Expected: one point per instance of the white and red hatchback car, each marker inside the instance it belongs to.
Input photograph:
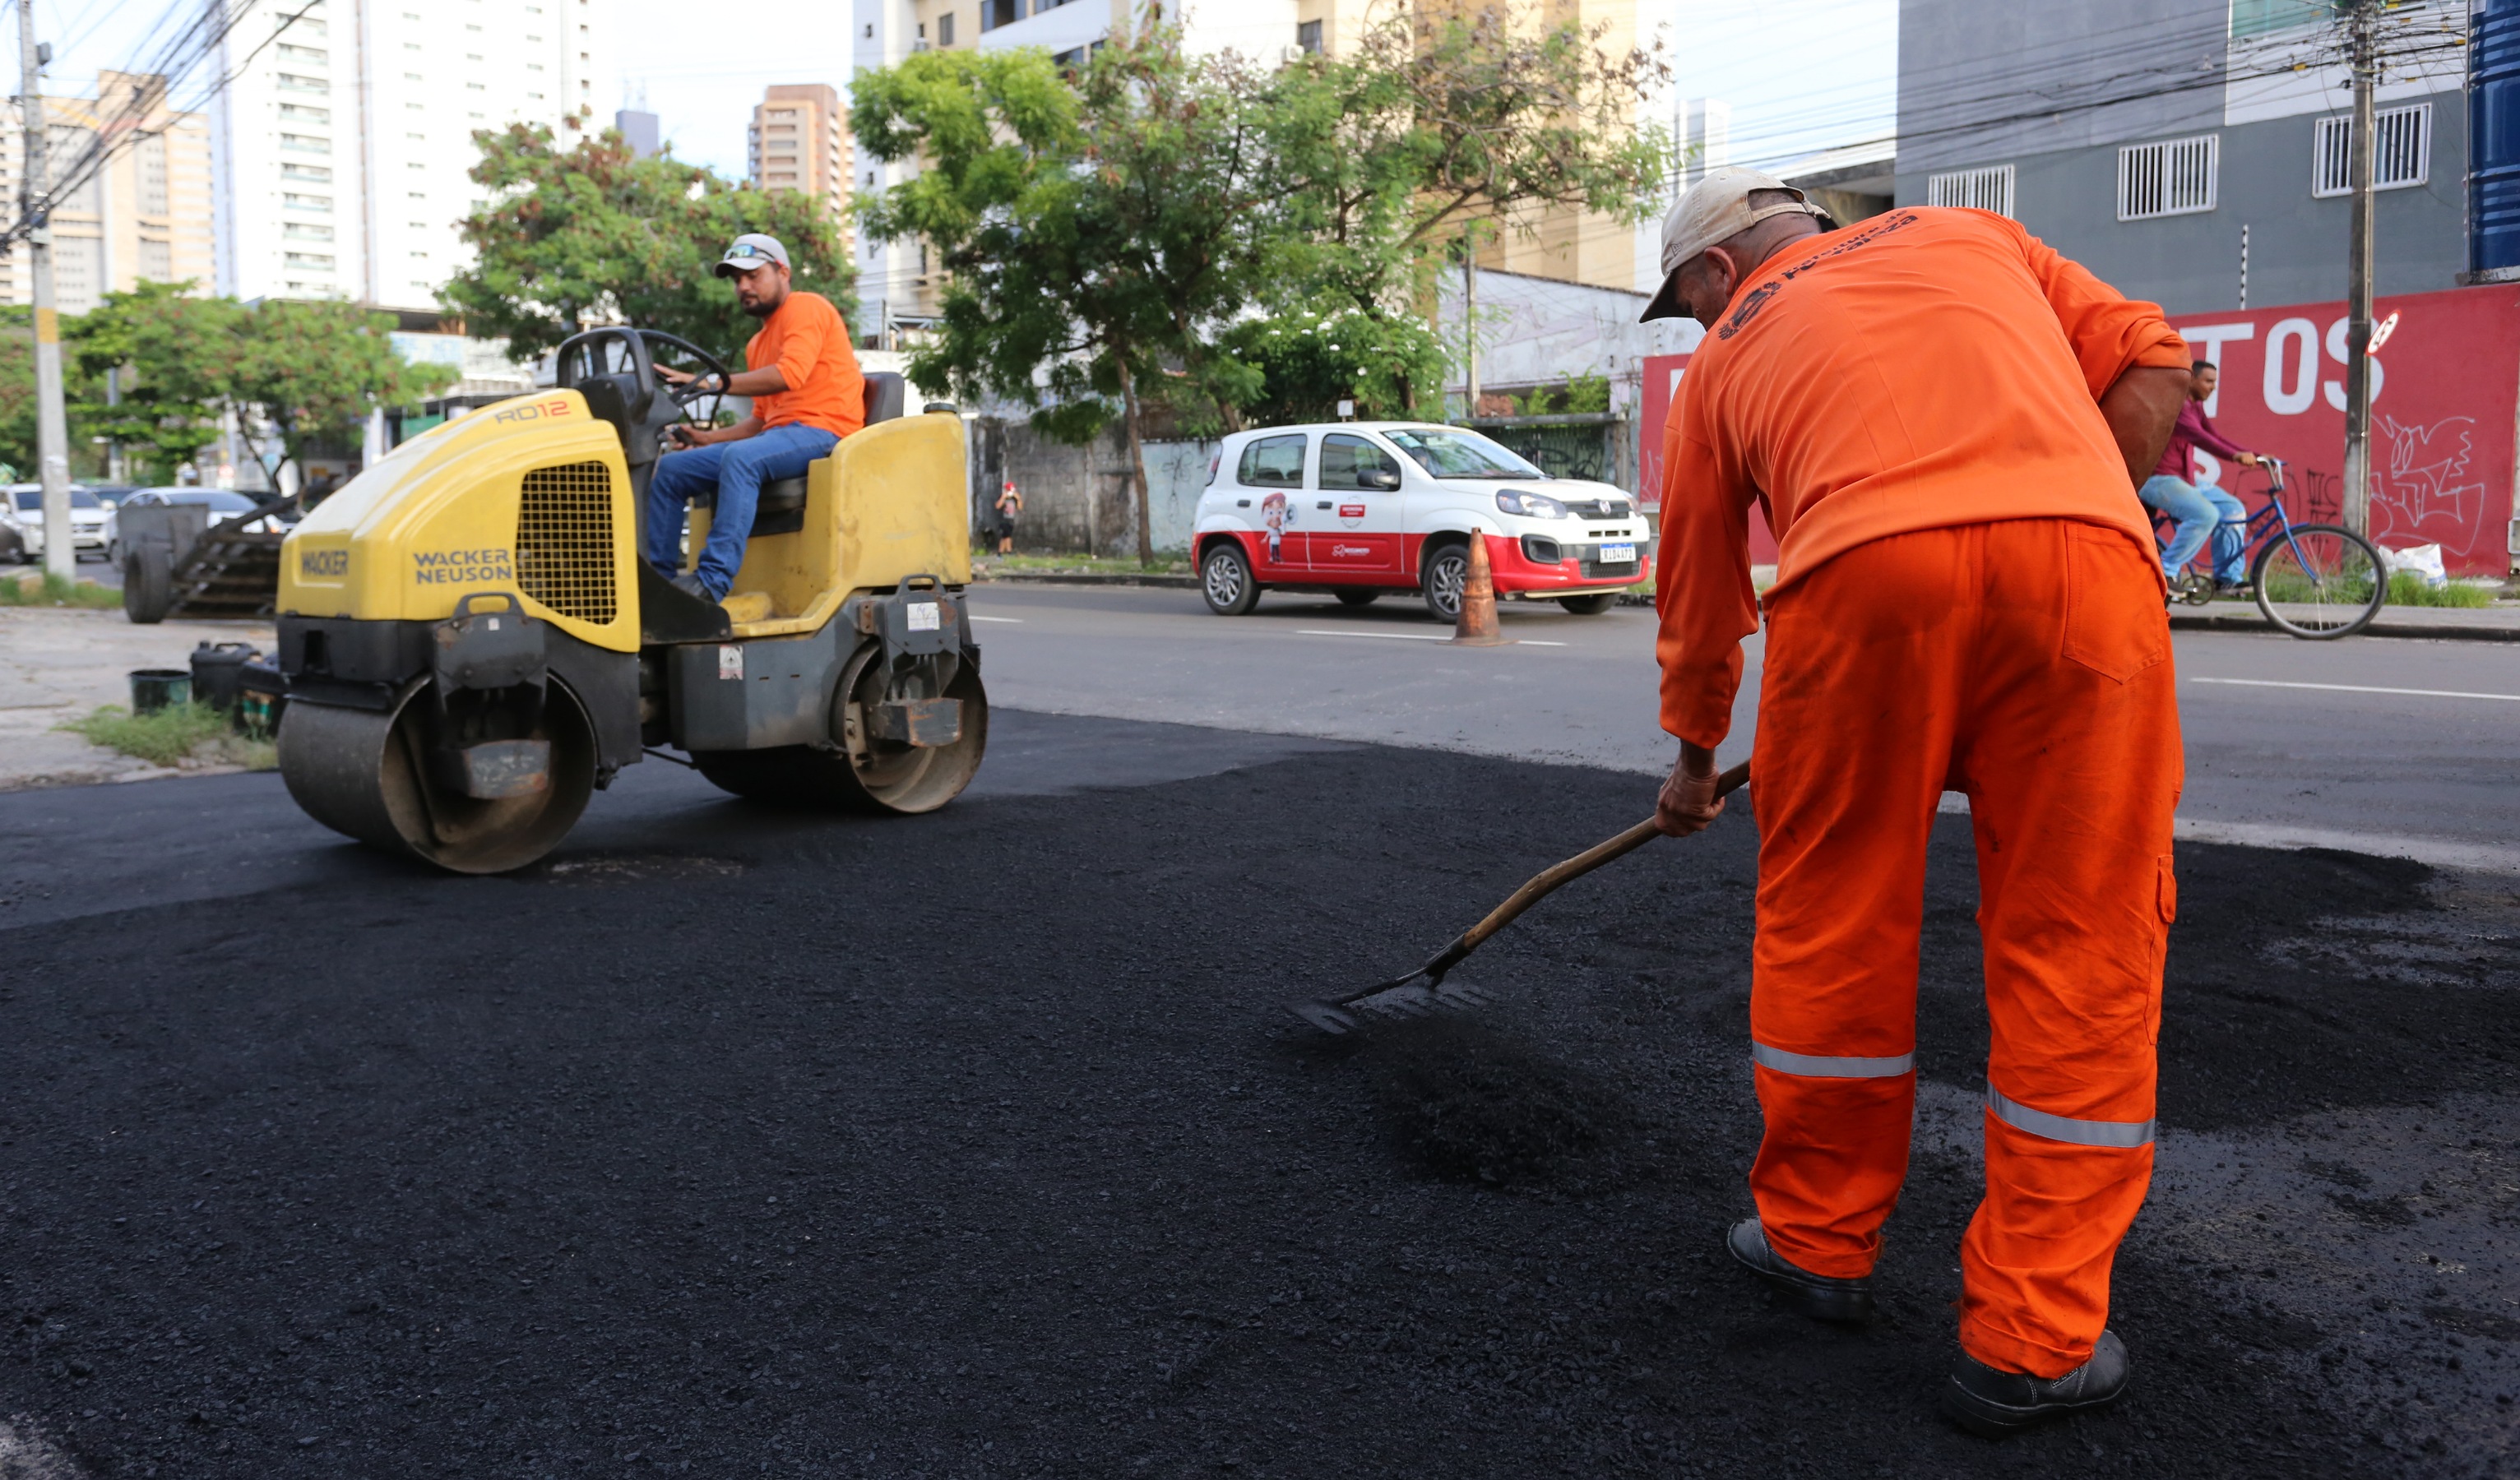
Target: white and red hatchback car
(1363, 507)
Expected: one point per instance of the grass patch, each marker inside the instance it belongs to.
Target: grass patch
(2408, 589)
(50, 590)
(984, 563)
(175, 733)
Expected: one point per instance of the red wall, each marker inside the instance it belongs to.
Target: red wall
(2441, 421)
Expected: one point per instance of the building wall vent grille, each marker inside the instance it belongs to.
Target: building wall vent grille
(2175, 177)
(2404, 158)
(1986, 188)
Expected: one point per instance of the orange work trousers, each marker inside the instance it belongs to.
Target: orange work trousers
(2027, 664)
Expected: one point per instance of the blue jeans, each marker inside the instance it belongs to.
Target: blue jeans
(2200, 512)
(738, 469)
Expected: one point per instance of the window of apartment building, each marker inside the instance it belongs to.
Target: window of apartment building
(305, 231)
(305, 144)
(2171, 178)
(313, 259)
(997, 13)
(945, 30)
(156, 260)
(302, 113)
(2403, 158)
(1308, 36)
(319, 174)
(151, 159)
(1986, 188)
(292, 83)
(2257, 18)
(314, 55)
(292, 201)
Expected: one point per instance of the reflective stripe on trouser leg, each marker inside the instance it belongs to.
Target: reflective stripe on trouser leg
(1814, 1066)
(1835, 1152)
(2122, 1134)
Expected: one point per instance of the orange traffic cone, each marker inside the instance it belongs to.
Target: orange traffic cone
(1476, 626)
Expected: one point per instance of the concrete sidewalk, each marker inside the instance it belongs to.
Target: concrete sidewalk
(2497, 623)
(59, 663)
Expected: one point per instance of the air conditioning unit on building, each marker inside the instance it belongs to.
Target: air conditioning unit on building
(919, 45)
(1291, 53)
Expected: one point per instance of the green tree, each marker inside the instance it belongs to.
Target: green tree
(17, 390)
(172, 354)
(314, 370)
(1308, 361)
(585, 231)
(1095, 232)
(1441, 127)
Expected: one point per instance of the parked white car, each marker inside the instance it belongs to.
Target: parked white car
(1364, 508)
(21, 523)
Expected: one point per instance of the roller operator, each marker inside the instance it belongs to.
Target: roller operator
(1944, 422)
(802, 377)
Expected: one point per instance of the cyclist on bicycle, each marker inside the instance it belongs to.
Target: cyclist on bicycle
(2201, 508)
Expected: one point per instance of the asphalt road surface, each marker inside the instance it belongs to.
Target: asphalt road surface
(2349, 759)
(731, 1140)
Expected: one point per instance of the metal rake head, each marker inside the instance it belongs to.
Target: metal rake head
(1391, 1005)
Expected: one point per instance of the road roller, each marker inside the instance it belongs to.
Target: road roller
(473, 646)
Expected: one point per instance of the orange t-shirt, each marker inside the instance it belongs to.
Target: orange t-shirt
(807, 339)
(1922, 369)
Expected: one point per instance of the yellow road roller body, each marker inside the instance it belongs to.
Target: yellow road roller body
(473, 646)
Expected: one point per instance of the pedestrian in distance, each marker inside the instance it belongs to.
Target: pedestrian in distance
(1944, 423)
(2201, 508)
(1010, 503)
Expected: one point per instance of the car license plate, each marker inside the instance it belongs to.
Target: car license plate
(1616, 555)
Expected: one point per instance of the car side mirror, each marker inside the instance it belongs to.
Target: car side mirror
(1383, 478)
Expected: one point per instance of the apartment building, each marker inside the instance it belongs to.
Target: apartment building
(344, 141)
(2190, 151)
(896, 290)
(800, 140)
(144, 216)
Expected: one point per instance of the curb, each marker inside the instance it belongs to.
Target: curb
(2381, 626)
(1085, 578)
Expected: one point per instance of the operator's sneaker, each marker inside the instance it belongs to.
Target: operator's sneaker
(1818, 1296)
(689, 583)
(2236, 590)
(1992, 1403)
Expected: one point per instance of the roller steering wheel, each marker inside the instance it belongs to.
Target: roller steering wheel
(683, 395)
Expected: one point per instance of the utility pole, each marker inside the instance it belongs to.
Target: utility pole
(52, 428)
(2358, 267)
(1469, 308)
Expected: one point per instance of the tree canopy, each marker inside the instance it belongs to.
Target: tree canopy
(585, 231)
(1229, 239)
(173, 357)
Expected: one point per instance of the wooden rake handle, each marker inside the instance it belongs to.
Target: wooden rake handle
(1547, 881)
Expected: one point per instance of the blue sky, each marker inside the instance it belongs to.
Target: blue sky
(1801, 74)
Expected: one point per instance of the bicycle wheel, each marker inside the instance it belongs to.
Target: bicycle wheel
(2319, 581)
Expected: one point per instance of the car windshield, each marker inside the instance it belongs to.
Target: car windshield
(217, 500)
(1461, 455)
(31, 500)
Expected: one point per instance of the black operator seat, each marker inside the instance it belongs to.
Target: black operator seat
(782, 510)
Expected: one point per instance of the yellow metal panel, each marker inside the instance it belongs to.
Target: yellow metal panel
(438, 519)
(890, 502)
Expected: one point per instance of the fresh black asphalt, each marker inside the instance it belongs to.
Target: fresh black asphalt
(737, 1143)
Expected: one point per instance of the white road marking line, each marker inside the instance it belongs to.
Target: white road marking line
(1532, 642)
(1019, 621)
(1404, 637)
(2269, 683)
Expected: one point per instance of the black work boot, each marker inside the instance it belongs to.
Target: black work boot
(1992, 1403)
(1814, 1295)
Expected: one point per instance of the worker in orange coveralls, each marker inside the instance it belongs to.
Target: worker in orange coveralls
(1944, 422)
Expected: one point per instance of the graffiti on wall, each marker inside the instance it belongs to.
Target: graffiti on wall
(2443, 413)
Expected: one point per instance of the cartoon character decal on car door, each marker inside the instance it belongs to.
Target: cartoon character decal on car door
(1275, 514)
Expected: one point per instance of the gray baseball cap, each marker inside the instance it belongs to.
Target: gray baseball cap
(1714, 209)
(750, 250)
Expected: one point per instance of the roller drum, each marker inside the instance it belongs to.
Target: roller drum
(360, 772)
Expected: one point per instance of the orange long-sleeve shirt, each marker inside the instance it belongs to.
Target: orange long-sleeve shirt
(1921, 369)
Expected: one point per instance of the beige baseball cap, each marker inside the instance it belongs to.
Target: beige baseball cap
(1714, 209)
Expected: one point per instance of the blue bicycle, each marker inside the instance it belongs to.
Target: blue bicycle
(2314, 581)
